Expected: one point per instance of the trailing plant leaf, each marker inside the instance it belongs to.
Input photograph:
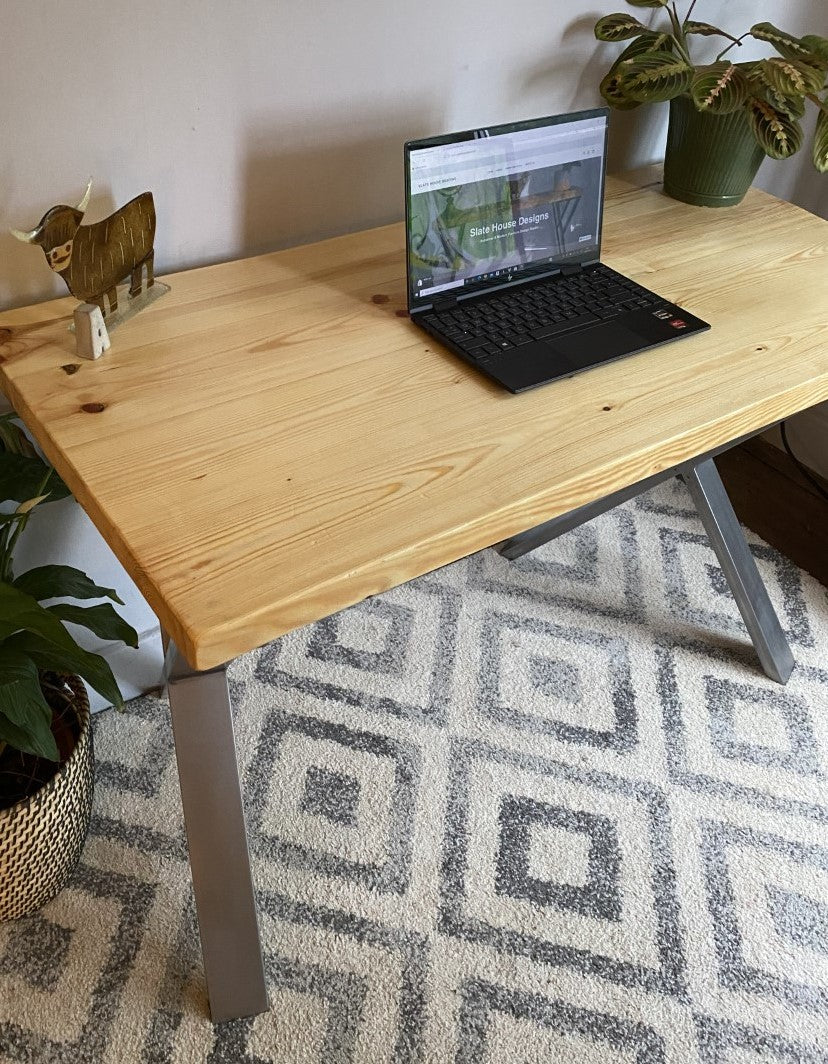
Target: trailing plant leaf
(22, 476)
(618, 27)
(778, 135)
(101, 620)
(820, 148)
(25, 716)
(790, 77)
(61, 581)
(647, 3)
(788, 46)
(654, 76)
(719, 88)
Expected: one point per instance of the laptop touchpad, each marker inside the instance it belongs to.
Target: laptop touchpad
(597, 345)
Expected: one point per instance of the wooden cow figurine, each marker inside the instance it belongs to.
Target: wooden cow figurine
(92, 259)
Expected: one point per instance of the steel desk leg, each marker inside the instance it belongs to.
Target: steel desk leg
(728, 541)
(726, 538)
(217, 838)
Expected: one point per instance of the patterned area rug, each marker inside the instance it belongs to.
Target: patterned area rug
(507, 814)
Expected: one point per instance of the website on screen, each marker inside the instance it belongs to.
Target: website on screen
(486, 207)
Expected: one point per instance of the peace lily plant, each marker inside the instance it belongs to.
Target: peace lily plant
(657, 66)
(36, 649)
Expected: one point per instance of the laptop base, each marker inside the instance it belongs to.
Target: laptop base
(536, 359)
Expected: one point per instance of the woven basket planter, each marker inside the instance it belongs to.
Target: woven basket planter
(41, 837)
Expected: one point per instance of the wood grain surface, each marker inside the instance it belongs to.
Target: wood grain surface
(275, 440)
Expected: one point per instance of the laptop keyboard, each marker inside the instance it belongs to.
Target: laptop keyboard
(488, 327)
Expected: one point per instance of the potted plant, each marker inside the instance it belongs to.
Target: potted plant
(725, 116)
(45, 735)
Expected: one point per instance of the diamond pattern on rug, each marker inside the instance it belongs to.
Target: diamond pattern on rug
(538, 858)
(595, 569)
(334, 800)
(498, 1025)
(37, 951)
(509, 813)
(402, 666)
(758, 886)
(696, 590)
(711, 746)
(522, 685)
(618, 925)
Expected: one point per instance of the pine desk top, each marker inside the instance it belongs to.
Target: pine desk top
(274, 441)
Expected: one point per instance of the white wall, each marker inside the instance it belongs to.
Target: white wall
(263, 123)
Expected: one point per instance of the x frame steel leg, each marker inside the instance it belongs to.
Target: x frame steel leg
(726, 538)
(728, 541)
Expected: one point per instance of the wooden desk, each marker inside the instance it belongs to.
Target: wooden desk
(274, 441)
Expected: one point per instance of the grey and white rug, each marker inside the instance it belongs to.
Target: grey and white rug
(507, 814)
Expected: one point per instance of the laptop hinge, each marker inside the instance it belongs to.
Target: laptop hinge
(574, 267)
(446, 303)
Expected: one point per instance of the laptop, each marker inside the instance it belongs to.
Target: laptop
(503, 234)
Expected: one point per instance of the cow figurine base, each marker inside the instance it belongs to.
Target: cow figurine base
(128, 306)
(91, 336)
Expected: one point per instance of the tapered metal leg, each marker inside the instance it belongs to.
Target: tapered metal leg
(217, 838)
(736, 560)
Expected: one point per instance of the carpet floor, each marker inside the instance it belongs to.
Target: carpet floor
(509, 813)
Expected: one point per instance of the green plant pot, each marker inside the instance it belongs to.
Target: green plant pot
(711, 160)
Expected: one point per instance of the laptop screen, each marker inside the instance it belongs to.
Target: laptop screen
(490, 206)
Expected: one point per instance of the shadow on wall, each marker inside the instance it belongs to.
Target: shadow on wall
(636, 137)
(328, 181)
(24, 272)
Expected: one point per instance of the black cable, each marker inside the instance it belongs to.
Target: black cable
(803, 469)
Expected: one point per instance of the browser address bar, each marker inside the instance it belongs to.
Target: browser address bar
(468, 170)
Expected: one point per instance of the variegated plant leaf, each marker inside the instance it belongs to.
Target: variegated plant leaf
(654, 76)
(618, 27)
(778, 135)
(647, 42)
(786, 44)
(609, 87)
(792, 106)
(704, 29)
(818, 47)
(790, 76)
(611, 92)
(819, 152)
(719, 88)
